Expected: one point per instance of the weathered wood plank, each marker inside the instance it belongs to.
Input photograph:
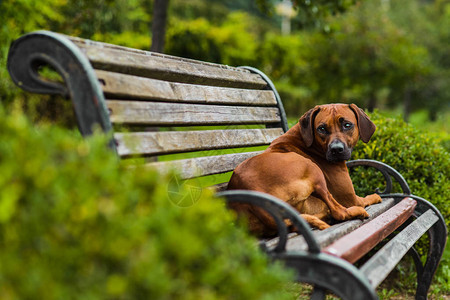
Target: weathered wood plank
(158, 66)
(121, 86)
(203, 166)
(172, 114)
(384, 261)
(156, 143)
(329, 235)
(356, 244)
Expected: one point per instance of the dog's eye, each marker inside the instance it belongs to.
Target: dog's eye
(348, 125)
(322, 129)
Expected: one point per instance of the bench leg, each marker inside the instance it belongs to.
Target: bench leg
(326, 272)
(438, 238)
(318, 293)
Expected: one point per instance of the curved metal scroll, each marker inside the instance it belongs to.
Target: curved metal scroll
(280, 211)
(271, 87)
(34, 50)
(387, 171)
(331, 273)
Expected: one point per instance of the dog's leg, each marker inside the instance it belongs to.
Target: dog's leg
(258, 221)
(337, 211)
(315, 221)
(370, 199)
(314, 211)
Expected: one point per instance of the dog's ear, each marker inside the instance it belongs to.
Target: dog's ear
(365, 126)
(307, 125)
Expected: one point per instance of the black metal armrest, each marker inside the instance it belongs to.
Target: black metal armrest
(388, 173)
(280, 211)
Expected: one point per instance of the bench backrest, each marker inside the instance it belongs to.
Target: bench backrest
(156, 105)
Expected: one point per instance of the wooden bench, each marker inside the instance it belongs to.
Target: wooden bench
(201, 108)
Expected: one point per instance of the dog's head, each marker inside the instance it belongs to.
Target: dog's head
(334, 129)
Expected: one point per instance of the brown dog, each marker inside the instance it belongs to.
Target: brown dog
(306, 168)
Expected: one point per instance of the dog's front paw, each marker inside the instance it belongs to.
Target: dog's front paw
(322, 225)
(357, 212)
(352, 212)
(372, 199)
(315, 222)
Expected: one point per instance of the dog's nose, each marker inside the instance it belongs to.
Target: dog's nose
(337, 147)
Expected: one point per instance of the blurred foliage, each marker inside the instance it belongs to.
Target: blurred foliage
(438, 130)
(231, 43)
(429, 26)
(76, 224)
(442, 277)
(310, 13)
(367, 53)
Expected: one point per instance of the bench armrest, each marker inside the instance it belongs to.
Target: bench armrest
(279, 210)
(44, 48)
(388, 173)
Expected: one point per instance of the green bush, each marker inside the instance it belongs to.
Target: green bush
(77, 224)
(284, 57)
(232, 43)
(421, 160)
(296, 99)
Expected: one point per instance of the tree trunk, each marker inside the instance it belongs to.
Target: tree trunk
(159, 25)
(432, 114)
(372, 103)
(407, 104)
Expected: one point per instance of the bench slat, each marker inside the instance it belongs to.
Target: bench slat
(360, 241)
(155, 143)
(202, 166)
(121, 86)
(172, 114)
(329, 235)
(152, 65)
(384, 261)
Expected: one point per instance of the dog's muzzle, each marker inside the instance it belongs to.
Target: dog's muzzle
(338, 151)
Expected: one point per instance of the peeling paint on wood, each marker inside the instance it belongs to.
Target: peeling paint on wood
(203, 166)
(384, 261)
(121, 86)
(356, 244)
(156, 143)
(172, 114)
(148, 64)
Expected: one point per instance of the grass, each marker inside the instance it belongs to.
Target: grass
(439, 129)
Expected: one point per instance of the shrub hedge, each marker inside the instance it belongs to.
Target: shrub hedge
(233, 43)
(76, 224)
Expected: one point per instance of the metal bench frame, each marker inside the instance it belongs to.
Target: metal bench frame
(313, 265)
